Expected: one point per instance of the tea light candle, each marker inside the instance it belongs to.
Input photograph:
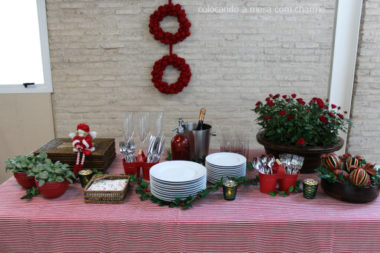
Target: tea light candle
(229, 189)
(310, 187)
(85, 177)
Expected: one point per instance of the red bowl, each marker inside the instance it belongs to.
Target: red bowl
(23, 180)
(53, 189)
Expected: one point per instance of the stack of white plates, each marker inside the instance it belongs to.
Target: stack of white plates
(225, 164)
(177, 179)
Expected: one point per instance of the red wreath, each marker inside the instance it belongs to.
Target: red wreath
(167, 37)
(158, 71)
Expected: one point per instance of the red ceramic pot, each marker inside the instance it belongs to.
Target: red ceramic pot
(146, 168)
(287, 181)
(131, 168)
(268, 182)
(53, 189)
(23, 180)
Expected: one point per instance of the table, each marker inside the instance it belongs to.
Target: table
(253, 222)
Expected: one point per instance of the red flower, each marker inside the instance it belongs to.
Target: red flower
(339, 107)
(333, 106)
(327, 100)
(340, 116)
(282, 113)
(334, 121)
(270, 95)
(276, 96)
(331, 114)
(182, 204)
(288, 99)
(284, 96)
(258, 104)
(319, 101)
(290, 116)
(323, 119)
(198, 197)
(294, 95)
(308, 111)
(300, 100)
(301, 141)
(267, 117)
(270, 103)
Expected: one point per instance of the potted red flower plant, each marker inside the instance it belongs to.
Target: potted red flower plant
(309, 129)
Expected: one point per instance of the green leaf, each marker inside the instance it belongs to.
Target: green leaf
(273, 194)
(41, 182)
(291, 189)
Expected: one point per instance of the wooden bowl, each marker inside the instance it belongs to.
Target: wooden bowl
(350, 193)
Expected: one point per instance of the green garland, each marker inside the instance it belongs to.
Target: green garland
(142, 189)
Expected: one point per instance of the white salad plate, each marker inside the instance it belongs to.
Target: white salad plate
(177, 171)
(226, 159)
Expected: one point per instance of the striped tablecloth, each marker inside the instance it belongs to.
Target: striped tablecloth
(254, 222)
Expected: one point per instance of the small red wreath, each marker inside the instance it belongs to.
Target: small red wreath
(158, 71)
(167, 37)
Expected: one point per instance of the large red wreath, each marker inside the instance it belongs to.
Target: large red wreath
(158, 71)
(167, 37)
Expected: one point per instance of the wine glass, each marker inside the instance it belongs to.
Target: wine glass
(129, 126)
(156, 119)
(143, 128)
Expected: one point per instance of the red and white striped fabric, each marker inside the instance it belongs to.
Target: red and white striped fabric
(254, 222)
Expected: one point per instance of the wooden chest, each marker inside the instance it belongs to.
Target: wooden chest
(61, 149)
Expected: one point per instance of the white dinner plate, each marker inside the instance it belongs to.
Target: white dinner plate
(178, 189)
(226, 159)
(178, 183)
(177, 171)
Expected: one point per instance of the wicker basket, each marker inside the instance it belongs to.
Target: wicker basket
(105, 197)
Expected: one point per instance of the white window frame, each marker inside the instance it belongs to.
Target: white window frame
(45, 87)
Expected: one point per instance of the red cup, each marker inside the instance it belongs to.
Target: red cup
(146, 168)
(287, 181)
(267, 182)
(53, 189)
(23, 180)
(131, 168)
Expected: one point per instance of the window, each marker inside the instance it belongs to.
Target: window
(24, 48)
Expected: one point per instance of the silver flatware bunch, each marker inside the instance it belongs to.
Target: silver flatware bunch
(128, 149)
(155, 149)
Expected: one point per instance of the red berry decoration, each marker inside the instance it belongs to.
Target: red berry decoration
(359, 177)
(167, 37)
(158, 71)
(345, 173)
(170, 39)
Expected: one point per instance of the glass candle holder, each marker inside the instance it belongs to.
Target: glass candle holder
(310, 187)
(229, 189)
(85, 177)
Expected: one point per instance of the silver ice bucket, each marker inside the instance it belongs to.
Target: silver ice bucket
(199, 140)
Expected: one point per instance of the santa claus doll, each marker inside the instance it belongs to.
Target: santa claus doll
(82, 144)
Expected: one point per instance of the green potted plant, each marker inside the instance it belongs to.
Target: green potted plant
(21, 166)
(349, 178)
(52, 179)
(290, 125)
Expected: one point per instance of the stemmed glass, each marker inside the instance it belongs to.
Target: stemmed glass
(156, 119)
(143, 128)
(129, 127)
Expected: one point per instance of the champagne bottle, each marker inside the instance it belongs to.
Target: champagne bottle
(201, 118)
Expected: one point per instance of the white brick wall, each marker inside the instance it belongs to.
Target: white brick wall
(102, 54)
(365, 135)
